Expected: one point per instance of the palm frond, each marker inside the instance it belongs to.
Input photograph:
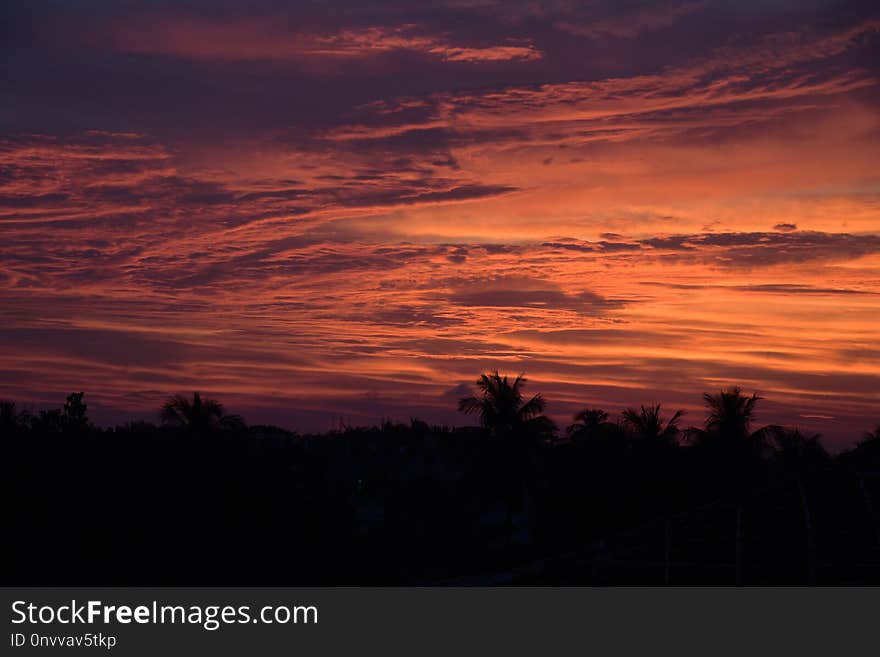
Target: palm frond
(535, 406)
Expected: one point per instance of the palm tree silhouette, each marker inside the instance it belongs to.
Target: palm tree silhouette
(797, 449)
(521, 424)
(589, 424)
(730, 412)
(197, 414)
(649, 426)
(728, 425)
(501, 407)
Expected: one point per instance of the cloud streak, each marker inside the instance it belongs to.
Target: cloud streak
(272, 39)
(351, 211)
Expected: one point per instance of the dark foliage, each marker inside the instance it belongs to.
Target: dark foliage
(204, 499)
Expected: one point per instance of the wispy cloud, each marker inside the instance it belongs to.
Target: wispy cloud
(278, 39)
(362, 207)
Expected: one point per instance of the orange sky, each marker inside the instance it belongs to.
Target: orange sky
(350, 214)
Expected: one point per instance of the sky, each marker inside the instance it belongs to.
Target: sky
(326, 213)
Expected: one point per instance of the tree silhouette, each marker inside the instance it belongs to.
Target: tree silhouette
(649, 426)
(797, 450)
(728, 427)
(412, 502)
(8, 415)
(12, 420)
(49, 421)
(501, 407)
(730, 413)
(587, 424)
(74, 412)
(197, 414)
(520, 424)
(872, 436)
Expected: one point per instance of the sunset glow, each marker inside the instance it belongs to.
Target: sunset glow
(340, 215)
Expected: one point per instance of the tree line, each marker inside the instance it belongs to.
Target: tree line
(203, 498)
